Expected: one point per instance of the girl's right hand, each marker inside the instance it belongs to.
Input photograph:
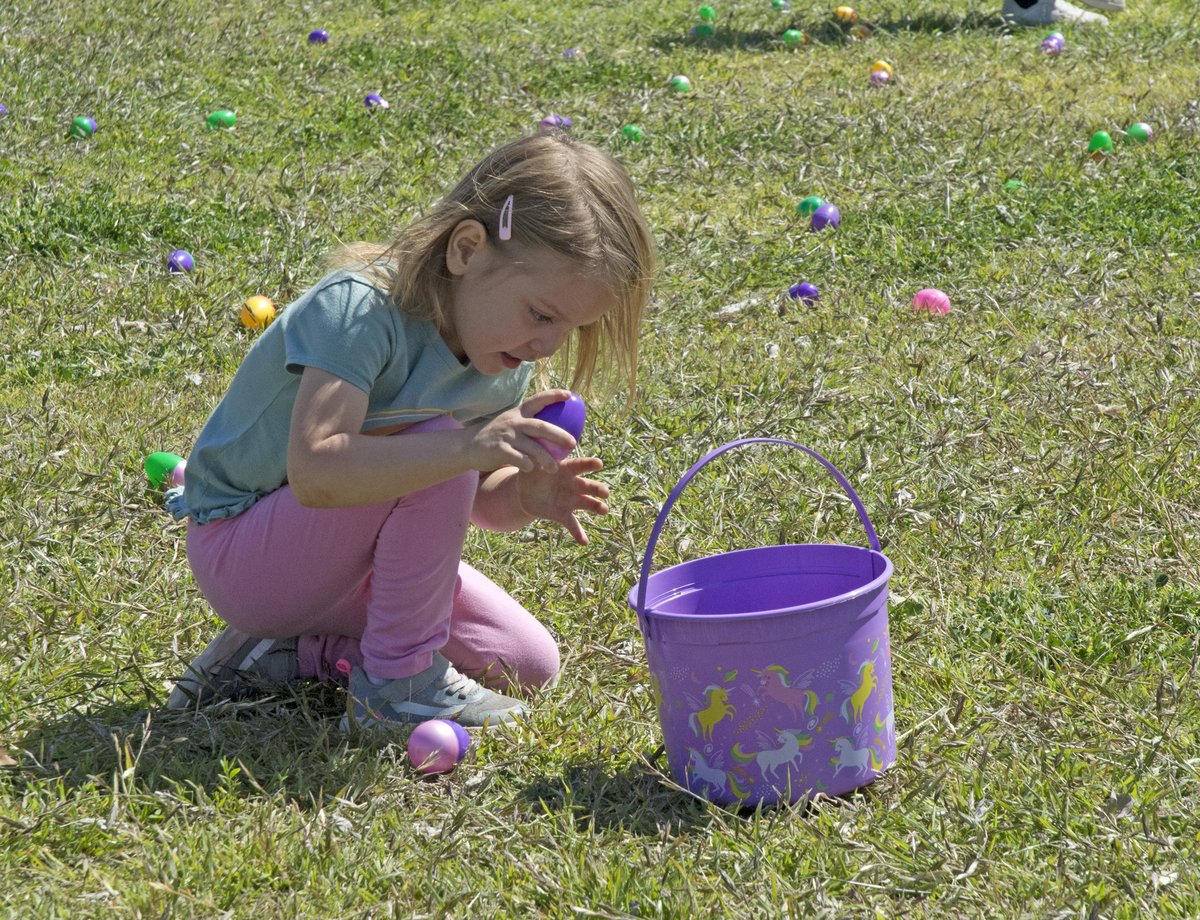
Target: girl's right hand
(511, 438)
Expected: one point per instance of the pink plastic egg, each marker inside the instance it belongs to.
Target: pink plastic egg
(931, 300)
(437, 746)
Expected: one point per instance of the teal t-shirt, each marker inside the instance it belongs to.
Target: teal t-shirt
(349, 327)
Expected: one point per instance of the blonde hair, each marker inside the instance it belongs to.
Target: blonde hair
(569, 198)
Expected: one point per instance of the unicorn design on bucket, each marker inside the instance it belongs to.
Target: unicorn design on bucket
(718, 708)
(858, 699)
(887, 727)
(791, 693)
(788, 754)
(849, 757)
(700, 771)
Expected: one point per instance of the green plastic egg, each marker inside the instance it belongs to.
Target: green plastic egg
(222, 118)
(793, 37)
(680, 84)
(1101, 142)
(632, 133)
(159, 466)
(708, 14)
(809, 205)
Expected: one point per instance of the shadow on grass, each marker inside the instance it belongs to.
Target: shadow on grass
(831, 32)
(289, 745)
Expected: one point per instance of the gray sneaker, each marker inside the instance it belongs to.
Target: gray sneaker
(233, 665)
(438, 692)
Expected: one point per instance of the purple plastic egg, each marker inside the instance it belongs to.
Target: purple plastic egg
(880, 77)
(806, 291)
(552, 123)
(180, 260)
(1052, 46)
(437, 746)
(569, 415)
(3, 110)
(827, 215)
(575, 54)
(177, 474)
(318, 37)
(375, 101)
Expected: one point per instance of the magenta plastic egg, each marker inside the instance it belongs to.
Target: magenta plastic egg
(569, 415)
(437, 746)
(931, 300)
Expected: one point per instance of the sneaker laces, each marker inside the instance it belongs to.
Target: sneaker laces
(457, 684)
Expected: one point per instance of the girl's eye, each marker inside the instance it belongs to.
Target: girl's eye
(539, 317)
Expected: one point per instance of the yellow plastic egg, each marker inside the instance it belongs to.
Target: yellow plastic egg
(258, 312)
(846, 14)
(884, 66)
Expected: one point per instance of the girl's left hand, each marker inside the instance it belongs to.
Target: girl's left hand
(557, 495)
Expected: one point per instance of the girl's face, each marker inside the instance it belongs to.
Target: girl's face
(510, 304)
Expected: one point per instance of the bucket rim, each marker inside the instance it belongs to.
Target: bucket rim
(879, 581)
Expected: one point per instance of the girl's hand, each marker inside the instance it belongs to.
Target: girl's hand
(511, 439)
(557, 495)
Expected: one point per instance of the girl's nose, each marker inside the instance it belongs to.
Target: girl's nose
(549, 342)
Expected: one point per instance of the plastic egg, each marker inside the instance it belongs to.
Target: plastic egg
(861, 31)
(160, 468)
(806, 291)
(437, 746)
(222, 118)
(707, 14)
(793, 38)
(1013, 185)
(846, 14)
(931, 300)
(680, 84)
(552, 123)
(1139, 132)
(880, 77)
(884, 66)
(704, 30)
(177, 475)
(1052, 46)
(574, 54)
(569, 415)
(3, 110)
(257, 312)
(1100, 144)
(375, 101)
(781, 5)
(827, 215)
(82, 128)
(318, 37)
(808, 206)
(180, 260)
(632, 133)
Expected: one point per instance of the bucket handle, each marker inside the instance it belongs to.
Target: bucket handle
(648, 559)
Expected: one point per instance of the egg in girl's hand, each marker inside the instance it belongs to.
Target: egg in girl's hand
(569, 415)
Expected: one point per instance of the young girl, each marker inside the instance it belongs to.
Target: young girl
(329, 493)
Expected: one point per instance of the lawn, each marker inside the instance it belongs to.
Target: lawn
(1029, 459)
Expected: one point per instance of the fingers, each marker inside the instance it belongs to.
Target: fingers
(539, 401)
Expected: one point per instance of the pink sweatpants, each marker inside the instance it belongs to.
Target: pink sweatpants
(382, 586)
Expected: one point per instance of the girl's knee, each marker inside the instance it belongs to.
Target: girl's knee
(528, 665)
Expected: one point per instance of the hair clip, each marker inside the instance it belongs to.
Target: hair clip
(506, 219)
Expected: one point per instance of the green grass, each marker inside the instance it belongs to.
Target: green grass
(1029, 460)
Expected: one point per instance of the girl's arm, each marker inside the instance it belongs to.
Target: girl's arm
(332, 464)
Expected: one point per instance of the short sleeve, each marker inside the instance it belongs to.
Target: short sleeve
(344, 326)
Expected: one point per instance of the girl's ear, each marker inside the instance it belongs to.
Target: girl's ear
(468, 241)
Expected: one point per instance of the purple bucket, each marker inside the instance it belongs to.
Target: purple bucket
(771, 667)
